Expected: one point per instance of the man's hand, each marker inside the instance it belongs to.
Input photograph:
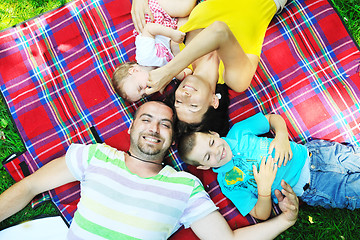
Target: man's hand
(138, 10)
(288, 202)
(266, 175)
(283, 152)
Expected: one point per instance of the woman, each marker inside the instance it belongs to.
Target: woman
(231, 31)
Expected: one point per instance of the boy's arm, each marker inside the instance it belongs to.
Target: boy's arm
(281, 142)
(239, 67)
(264, 180)
(214, 226)
(52, 175)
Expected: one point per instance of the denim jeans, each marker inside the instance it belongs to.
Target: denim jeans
(334, 175)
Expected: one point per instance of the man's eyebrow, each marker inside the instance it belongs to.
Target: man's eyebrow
(146, 115)
(151, 116)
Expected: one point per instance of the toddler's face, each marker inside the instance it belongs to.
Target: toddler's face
(210, 150)
(135, 85)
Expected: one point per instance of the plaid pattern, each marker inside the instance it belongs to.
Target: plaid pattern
(55, 76)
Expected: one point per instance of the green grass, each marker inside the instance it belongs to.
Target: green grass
(324, 224)
(13, 12)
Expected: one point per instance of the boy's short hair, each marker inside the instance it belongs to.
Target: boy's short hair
(120, 73)
(185, 146)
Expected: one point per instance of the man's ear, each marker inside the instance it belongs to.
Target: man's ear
(203, 167)
(215, 101)
(130, 126)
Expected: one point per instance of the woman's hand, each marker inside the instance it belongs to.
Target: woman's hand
(158, 79)
(138, 10)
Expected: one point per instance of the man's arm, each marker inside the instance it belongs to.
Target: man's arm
(239, 68)
(52, 175)
(281, 141)
(214, 226)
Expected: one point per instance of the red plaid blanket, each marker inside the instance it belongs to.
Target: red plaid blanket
(55, 76)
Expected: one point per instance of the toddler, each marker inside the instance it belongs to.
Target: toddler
(155, 46)
(250, 167)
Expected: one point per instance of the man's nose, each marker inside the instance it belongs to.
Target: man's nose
(154, 127)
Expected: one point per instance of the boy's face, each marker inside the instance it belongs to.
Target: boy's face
(135, 84)
(210, 150)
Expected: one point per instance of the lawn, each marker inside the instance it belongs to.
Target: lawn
(313, 223)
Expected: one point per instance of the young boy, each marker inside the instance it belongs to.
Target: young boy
(320, 172)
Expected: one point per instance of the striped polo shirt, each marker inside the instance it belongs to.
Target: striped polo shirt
(117, 204)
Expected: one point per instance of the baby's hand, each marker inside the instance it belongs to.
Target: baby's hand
(283, 152)
(266, 175)
(177, 36)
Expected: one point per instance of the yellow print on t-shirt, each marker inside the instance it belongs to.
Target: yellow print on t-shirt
(234, 176)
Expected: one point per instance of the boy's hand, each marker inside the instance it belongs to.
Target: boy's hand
(138, 10)
(283, 152)
(177, 36)
(266, 175)
(288, 202)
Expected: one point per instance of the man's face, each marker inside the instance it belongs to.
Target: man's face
(151, 131)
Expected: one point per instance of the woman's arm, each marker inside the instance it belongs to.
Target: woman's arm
(239, 68)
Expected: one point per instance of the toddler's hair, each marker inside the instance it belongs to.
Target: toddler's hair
(185, 146)
(120, 73)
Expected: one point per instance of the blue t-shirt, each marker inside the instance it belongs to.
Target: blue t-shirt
(236, 178)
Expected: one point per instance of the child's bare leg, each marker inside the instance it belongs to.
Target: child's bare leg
(177, 8)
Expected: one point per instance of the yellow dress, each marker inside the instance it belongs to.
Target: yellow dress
(247, 19)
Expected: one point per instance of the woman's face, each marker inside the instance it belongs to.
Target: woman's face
(192, 99)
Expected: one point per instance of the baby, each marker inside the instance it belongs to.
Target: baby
(155, 46)
(250, 167)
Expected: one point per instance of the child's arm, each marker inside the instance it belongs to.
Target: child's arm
(281, 142)
(153, 29)
(264, 180)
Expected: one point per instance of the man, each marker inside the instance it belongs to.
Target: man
(132, 194)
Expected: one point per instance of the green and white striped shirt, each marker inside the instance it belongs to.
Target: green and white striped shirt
(117, 204)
